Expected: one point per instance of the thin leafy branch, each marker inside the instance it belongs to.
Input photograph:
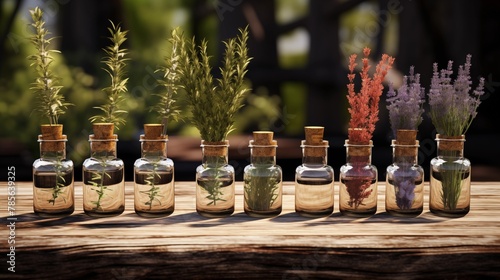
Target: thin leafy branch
(97, 182)
(153, 192)
(58, 188)
(213, 187)
(213, 103)
(167, 108)
(260, 191)
(51, 103)
(115, 61)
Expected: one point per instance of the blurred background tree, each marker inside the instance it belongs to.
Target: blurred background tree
(299, 50)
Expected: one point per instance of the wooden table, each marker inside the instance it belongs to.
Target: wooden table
(188, 246)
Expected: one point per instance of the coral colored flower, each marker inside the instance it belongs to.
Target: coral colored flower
(363, 106)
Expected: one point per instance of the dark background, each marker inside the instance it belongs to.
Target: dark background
(290, 89)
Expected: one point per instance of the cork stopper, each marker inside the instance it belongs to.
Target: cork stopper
(359, 149)
(218, 149)
(406, 137)
(261, 139)
(450, 143)
(50, 133)
(103, 131)
(154, 132)
(314, 137)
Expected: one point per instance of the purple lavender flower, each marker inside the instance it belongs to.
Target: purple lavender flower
(406, 106)
(405, 192)
(452, 107)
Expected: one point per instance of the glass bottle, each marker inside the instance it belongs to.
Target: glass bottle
(450, 178)
(103, 176)
(262, 191)
(405, 178)
(215, 181)
(154, 175)
(358, 181)
(314, 178)
(53, 185)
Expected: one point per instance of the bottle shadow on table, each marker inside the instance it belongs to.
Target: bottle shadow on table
(339, 218)
(193, 219)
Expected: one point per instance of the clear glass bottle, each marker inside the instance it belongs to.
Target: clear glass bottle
(103, 178)
(404, 181)
(314, 179)
(262, 191)
(53, 185)
(358, 181)
(215, 181)
(154, 175)
(450, 178)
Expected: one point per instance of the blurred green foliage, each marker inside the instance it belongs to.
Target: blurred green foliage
(149, 24)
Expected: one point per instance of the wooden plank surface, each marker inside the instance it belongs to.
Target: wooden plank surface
(188, 246)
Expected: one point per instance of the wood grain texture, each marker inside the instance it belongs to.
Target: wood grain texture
(188, 246)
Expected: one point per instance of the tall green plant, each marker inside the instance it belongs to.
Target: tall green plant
(453, 107)
(115, 62)
(166, 107)
(213, 103)
(51, 103)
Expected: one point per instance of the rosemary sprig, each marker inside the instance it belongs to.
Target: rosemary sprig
(97, 182)
(213, 186)
(58, 189)
(166, 107)
(260, 191)
(214, 192)
(51, 103)
(115, 62)
(213, 104)
(153, 192)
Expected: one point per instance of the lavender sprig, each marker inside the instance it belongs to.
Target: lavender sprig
(406, 106)
(452, 106)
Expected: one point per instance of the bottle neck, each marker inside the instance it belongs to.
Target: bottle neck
(52, 149)
(404, 154)
(358, 154)
(263, 160)
(214, 155)
(314, 155)
(154, 149)
(214, 161)
(314, 160)
(400, 159)
(262, 154)
(103, 148)
(59, 154)
(450, 146)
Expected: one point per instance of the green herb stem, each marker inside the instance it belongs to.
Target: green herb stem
(51, 103)
(153, 192)
(213, 104)
(115, 62)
